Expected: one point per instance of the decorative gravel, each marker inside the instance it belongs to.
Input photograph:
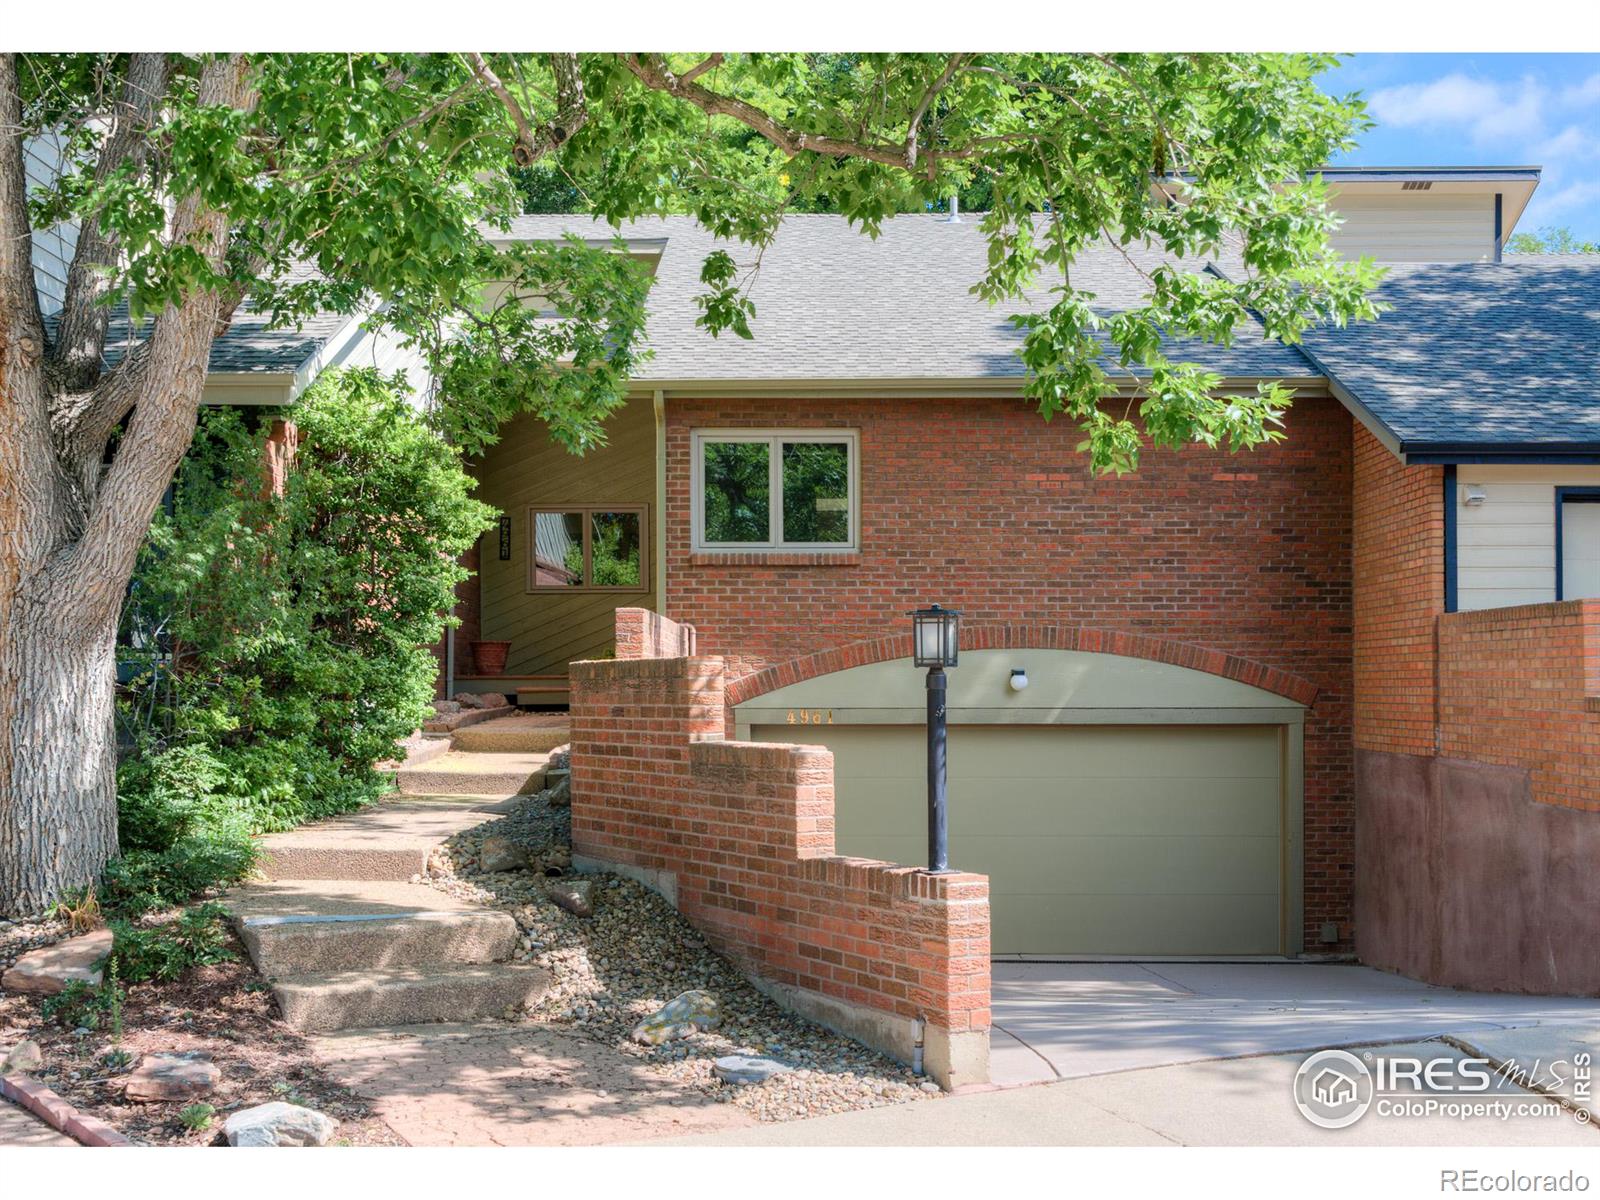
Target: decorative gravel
(635, 954)
(19, 937)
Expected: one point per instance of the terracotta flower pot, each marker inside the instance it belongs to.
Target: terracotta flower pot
(490, 657)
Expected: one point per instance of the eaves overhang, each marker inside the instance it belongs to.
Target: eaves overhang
(906, 388)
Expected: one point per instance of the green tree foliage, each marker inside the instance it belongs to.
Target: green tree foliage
(384, 184)
(1551, 239)
(392, 174)
(281, 643)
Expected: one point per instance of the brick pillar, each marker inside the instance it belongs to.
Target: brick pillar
(278, 455)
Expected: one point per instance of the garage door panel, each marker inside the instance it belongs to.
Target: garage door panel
(1080, 865)
(1111, 752)
(1135, 925)
(1096, 839)
(1068, 866)
(1130, 807)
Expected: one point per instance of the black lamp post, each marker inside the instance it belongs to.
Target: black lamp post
(935, 634)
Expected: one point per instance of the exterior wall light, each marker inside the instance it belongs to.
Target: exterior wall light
(1474, 495)
(1019, 678)
(935, 641)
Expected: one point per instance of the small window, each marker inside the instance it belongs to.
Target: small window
(600, 547)
(785, 490)
(1578, 536)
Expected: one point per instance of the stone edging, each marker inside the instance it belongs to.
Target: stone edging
(57, 1113)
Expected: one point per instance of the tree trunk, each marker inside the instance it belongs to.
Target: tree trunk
(71, 527)
(58, 801)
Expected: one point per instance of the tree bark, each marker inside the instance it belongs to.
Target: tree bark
(58, 797)
(70, 532)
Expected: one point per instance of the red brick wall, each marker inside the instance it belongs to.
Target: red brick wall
(1521, 687)
(645, 634)
(746, 832)
(983, 506)
(1399, 595)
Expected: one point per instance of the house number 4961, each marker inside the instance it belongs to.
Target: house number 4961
(811, 716)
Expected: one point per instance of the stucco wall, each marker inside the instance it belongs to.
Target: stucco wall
(1467, 881)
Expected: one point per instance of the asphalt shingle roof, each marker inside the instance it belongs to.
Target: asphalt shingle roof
(1485, 355)
(833, 304)
(1478, 354)
(248, 347)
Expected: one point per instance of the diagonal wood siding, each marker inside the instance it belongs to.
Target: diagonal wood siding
(547, 630)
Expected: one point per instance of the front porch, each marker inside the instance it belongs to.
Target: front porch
(576, 540)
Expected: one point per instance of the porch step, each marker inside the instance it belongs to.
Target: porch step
(356, 999)
(544, 689)
(475, 773)
(531, 733)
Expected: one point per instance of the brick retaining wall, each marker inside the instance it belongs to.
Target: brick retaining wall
(739, 835)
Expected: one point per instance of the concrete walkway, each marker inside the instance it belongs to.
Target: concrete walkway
(1236, 1102)
(1071, 1020)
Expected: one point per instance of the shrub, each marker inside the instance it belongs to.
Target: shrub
(143, 881)
(80, 1005)
(278, 645)
(199, 937)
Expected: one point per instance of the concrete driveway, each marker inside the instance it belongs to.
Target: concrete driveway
(1071, 1020)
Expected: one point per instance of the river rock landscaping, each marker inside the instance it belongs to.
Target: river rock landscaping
(621, 965)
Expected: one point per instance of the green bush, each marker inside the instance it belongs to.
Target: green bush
(277, 646)
(165, 952)
(81, 1006)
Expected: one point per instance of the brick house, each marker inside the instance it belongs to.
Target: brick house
(1338, 696)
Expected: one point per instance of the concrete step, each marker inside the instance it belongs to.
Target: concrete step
(473, 773)
(388, 841)
(528, 733)
(357, 999)
(317, 926)
(283, 946)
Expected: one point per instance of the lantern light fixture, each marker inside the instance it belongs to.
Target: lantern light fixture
(936, 635)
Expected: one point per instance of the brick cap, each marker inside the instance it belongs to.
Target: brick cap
(57, 1113)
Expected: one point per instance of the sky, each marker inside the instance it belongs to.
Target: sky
(1487, 109)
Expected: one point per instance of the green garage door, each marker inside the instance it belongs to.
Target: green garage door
(1116, 840)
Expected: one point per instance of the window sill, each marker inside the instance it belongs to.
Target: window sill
(775, 558)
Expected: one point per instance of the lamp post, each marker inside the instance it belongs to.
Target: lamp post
(935, 636)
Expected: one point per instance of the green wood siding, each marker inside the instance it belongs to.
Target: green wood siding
(549, 629)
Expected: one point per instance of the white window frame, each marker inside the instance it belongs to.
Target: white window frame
(774, 439)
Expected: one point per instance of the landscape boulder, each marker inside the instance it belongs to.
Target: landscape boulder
(278, 1124)
(24, 1056)
(574, 895)
(559, 793)
(162, 1077)
(501, 854)
(49, 969)
(679, 1018)
(743, 1069)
